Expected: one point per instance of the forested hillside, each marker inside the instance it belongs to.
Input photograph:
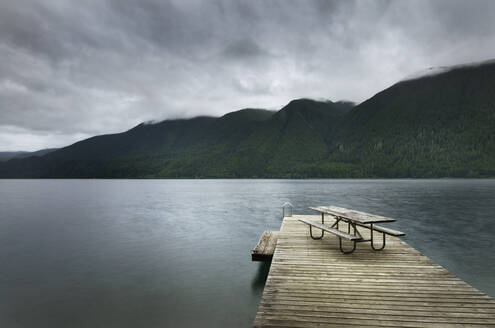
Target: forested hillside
(434, 126)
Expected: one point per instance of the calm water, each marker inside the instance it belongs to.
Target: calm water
(158, 253)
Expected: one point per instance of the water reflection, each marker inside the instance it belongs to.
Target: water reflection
(259, 279)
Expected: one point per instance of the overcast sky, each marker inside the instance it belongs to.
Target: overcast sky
(73, 69)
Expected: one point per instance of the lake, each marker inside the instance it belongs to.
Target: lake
(176, 253)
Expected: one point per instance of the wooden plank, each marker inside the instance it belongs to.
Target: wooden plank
(311, 283)
(266, 247)
(388, 231)
(357, 216)
(329, 229)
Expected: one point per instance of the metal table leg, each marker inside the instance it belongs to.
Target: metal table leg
(353, 242)
(383, 241)
(311, 233)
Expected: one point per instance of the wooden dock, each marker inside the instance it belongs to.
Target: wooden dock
(312, 284)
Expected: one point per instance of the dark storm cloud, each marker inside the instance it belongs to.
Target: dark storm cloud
(73, 69)
(245, 48)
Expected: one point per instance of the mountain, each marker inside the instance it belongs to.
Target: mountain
(6, 155)
(435, 126)
(439, 125)
(298, 134)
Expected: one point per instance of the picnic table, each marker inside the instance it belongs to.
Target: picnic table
(353, 219)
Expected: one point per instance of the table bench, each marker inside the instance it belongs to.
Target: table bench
(388, 231)
(323, 227)
(353, 219)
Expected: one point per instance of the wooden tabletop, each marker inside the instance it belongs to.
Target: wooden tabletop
(351, 215)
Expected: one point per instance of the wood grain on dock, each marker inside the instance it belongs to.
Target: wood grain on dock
(266, 247)
(312, 284)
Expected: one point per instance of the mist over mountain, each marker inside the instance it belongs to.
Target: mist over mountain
(6, 155)
(438, 125)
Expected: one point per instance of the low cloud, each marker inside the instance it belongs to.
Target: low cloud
(69, 69)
